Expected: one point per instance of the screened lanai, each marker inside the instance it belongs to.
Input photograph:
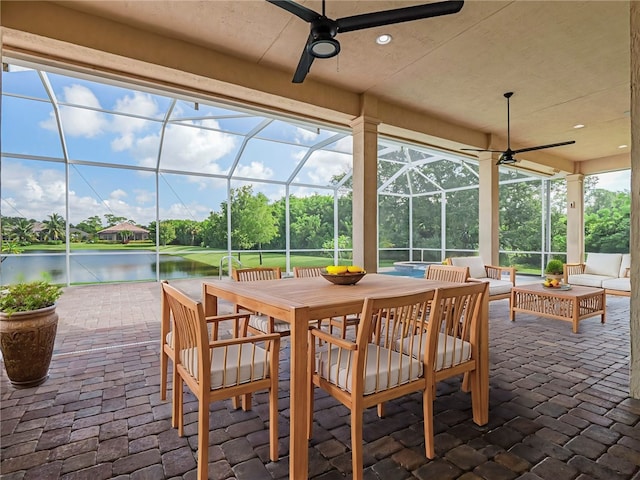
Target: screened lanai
(83, 154)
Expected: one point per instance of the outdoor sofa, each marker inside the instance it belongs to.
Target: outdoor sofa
(602, 270)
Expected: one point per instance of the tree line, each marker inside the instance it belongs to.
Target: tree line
(259, 224)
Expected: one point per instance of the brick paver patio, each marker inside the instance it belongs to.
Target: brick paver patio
(559, 408)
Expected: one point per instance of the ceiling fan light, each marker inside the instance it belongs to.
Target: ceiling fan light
(506, 159)
(324, 48)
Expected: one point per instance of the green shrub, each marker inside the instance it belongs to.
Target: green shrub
(27, 296)
(554, 267)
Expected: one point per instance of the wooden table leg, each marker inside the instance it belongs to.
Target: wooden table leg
(298, 442)
(481, 411)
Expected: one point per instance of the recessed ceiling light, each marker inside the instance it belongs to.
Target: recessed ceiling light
(579, 125)
(623, 146)
(383, 39)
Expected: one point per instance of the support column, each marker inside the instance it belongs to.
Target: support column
(365, 192)
(634, 243)
(488, 214)
(575, 218)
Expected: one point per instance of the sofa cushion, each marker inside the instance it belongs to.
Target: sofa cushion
(499, 287)
(607, 264)
(588, 280)
(623, 284)
(475, 264)
(626, 263)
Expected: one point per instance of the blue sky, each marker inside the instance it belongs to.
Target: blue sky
(112, 125)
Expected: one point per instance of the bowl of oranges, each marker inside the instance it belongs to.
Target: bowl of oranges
(343, 275)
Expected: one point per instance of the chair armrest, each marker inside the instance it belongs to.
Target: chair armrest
(250, 339)
(215, 320)
(572, 269)
(326, 337)
(230, 316)
(495, 272)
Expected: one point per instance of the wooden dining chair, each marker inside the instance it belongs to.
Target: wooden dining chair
(453, 341)
(371, 370)
(167, 344)
(399, 351)
(447, 273)
(341, 323)
(259, 323)
(218, 369)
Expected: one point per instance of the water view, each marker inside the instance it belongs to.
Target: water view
(97, 267)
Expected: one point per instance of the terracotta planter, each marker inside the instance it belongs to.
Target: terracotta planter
(26, 341)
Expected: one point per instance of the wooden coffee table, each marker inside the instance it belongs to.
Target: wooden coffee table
(571, 305)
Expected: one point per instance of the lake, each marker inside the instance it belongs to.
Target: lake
(99, 267)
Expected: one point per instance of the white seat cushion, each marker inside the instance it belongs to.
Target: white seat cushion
(623, 284)
(380, 373)
(499, 287)
(242, 366)
(588, 280)
(475, 264)
(451, 351)
(261, 322)
(607, 264)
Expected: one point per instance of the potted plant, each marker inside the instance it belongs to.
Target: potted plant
(555, 269)
(28, 324)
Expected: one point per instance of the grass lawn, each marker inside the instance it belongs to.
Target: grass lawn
(197, 254)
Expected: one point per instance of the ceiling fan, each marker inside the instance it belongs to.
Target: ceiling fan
(507, 156)
(321, 42)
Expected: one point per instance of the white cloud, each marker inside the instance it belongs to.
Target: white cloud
(323, 165)
(254, 170)
(615, 181)
(78, 122)
(185, 148)
(127, 127)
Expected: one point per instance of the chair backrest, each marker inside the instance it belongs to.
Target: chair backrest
(189, 334)
(476, 265)
(301, 272)
(256, 273)
(386, 322)
(234, 359)
(447, 273)
(454, 326)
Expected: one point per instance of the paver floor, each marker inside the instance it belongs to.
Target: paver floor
(559, 407)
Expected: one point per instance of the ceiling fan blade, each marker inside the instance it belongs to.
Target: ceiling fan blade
(398, 15)
(481, 150)
(551, 145)
(306, 59)
(298, 10)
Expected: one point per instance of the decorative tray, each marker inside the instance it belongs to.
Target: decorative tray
(559, 287)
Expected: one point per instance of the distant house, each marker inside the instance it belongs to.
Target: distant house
(115, 233)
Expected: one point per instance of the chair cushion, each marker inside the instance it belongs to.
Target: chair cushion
(626, 263)
(623, 284)
(261, 322)
(380, 373)
(241, 366)
(607, 264)
(451, 351)
(498, 287)
(475, 264)
(588, 280)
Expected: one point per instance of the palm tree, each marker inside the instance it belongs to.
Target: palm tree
(54, 227)
(22, 232)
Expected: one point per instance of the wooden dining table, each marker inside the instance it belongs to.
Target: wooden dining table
(300, 300)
